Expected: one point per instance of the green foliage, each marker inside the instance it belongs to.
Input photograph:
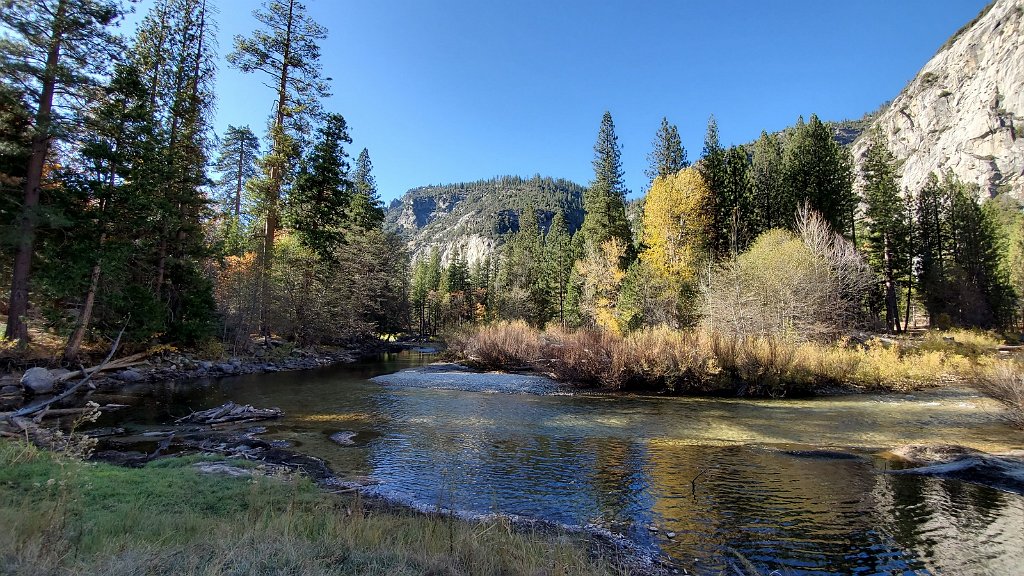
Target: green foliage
(887, 218)
(668, 155)
(236, 163)
(322, 191)
(365, 210)
(771, 206)
(961, 274)
(818, 172)
(604, 200)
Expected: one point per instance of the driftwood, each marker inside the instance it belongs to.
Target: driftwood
(120, 363)
(231, 413)
(33, 408)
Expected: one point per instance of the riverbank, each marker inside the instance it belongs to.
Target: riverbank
(698, 362)
(37, 374)
(201, 515)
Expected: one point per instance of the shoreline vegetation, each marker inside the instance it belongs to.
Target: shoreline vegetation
(701, 362)
(67, 516)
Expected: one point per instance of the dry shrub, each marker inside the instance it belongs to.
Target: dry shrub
(512, 344)
(1004, 381)
(586, 357)
(701, 361)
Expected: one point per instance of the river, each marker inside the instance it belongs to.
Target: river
(791, 485)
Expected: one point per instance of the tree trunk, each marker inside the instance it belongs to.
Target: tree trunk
(75, 341)
(17, 329)
(276, 175)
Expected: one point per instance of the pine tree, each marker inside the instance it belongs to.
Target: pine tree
(771, 206)
(819, 172)
(173, 53)
(668, 155)
(736, 202)
(109, 206)
(322, 191)
(604, 200)
(287, 51)
(713, 169)
(366, 211)
(236, 163)
(960, 275)
(888, 241)
(55, 49)
(559, 259)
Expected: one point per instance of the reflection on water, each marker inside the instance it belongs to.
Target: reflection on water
(721, 474)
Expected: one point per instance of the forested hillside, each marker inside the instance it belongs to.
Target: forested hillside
(475, 217)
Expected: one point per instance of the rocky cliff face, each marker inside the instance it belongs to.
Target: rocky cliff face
(964, 111)
(474, 218)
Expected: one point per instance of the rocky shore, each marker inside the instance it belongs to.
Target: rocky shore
(41, 382)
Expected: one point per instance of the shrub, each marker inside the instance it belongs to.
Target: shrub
(1004, 381)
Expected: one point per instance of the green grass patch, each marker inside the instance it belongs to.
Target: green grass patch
(64, 516)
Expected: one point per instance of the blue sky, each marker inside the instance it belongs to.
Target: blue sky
(458, 90)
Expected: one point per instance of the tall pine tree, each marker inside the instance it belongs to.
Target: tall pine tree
(668, 155)
(604, 200)
(55, 49)
(888, 228)
(366, 211)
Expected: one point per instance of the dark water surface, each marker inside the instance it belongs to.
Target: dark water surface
(757, 477)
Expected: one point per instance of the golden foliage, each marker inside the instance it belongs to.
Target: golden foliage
(676, 224)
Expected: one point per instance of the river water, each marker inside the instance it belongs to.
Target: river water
(791, 485)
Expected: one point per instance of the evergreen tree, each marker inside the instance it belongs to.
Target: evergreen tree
(521, 282)
(713, 168)
(236, 163)
(54, 49)
(888, 241)
(668, 155)
(819, 172)
(366, 211)
(604, 200)
(173, 53)
(735, 200)
(287, 51)
(322, 191)
(105, 209)
(559, 259)
(771, 206)
(961, 275)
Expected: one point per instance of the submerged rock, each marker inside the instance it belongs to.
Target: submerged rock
(343, 438)
(1000, 471)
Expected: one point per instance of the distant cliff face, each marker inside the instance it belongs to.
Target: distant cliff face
(474, 218)
(964, 111)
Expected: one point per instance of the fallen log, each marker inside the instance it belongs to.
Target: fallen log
(33, 408)
(229, 412)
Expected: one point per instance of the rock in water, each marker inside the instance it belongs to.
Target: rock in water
(343, 438)
(38, 380)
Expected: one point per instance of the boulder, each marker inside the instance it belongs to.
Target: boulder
(130, 375)
(10, 390)
(38, 380)
(227, 368)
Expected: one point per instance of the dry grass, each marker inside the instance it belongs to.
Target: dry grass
(703, 362)
(63, 516)
(1004, 381)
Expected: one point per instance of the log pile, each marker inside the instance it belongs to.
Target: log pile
(231, 413)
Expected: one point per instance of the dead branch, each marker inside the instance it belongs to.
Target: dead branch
(32, 409)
